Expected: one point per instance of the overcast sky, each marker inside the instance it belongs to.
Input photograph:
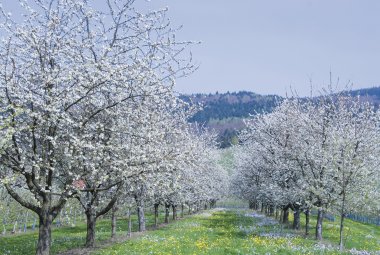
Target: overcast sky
(268, 46)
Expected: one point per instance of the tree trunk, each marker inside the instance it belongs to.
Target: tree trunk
(271, 210)
(44, 237)
(156, 206)
(113, 221)
(318, 228)
(189, 210)
(167, 208)
(174, 207)
(141, 215)
(342, 215)
(281, 215)
(129, 223)
(182, 209)
(307, 224)
(297, 218)
(91, 223)
(285, 216)
(341, 244)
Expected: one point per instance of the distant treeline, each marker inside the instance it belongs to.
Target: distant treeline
(224, 112)
(228, 105)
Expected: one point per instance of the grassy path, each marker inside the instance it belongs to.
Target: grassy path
(212, 232)
(229, 232)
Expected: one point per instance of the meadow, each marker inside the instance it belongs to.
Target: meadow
(214, 232)
(245, 232)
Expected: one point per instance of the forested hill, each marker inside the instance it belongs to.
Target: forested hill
(225, 112)
(221, 106)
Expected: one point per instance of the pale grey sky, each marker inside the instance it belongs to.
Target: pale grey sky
(267, 46)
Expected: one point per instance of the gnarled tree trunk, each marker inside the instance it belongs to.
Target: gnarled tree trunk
(167, 208)
(297, 218)
(174, 207)
(285, 215)
(113, 221)
(141, 215)
(156, 214)
(307, 223)
(44, 235)
(318, 228)
(91, 223)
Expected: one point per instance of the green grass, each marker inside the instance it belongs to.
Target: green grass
(65, 238)
(357, 235)
(212, 232)
(232, 232)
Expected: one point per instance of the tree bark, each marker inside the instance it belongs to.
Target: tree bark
(285, 216)
(341, 243)
(342, 215)
(167, 208)
(182, 210)
(297, 218)
(91, 223)
(156, 206)
(129, 223)
(318, 228)
(141, 215)
(113, 221)
(271, 210)
(307, 224)
(44, 237)
(174, 207)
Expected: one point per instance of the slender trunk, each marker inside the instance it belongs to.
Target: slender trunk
(129, 223)
(113, 221)
(182, 209)
(285, 216)
(44, 237)
(91, 223)
(307, 224)
(271, 210)
(276, 213)
(205, 205)
(141, 215)
(189, 210)
(174, 207)
(342, 215)
(341, 244)
(167, 208)
(156, 206)
(297, 218)
(318, 228)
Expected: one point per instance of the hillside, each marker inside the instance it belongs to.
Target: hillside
(224, 112)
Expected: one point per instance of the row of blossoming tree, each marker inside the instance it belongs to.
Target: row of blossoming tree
(319, 154)
(88, 112)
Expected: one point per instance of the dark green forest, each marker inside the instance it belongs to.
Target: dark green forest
(224, 112)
